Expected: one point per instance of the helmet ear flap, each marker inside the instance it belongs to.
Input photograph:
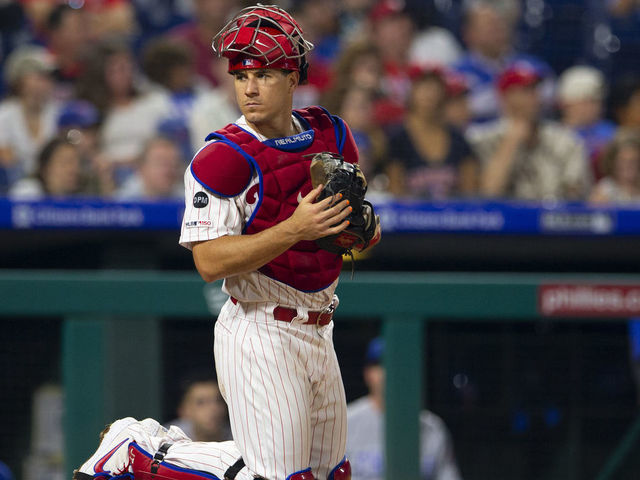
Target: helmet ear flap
(304, 67)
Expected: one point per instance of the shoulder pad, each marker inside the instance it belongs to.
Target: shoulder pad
(317, 117)
(220, 169)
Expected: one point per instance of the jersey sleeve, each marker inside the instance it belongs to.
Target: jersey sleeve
(207, 216)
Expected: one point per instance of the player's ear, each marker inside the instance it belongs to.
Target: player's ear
(293, 78)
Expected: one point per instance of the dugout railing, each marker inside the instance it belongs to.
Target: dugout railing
(111, 352)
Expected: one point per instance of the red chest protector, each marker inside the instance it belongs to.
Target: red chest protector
(283, 170)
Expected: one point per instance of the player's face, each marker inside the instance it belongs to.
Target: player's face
(264, 94)
(374, 379)
(205, 408)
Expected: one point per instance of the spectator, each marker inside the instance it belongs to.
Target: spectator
(14, 31)
(214, 109)
(581, 92)
(195, 109)
(523, 156)
(202, 413)
(622, 41)
(158, 174)
(353, 20)
(621, 168)
(625, 102)
(45, 459)
(428, 158)
(169, 64)
(393, 32)
(209, 17)
(104, 17)
(28, 116)
(319, 21)
(365, 421)
(356, 108)
(78, 122)
(129, 117)
(67, 36)
(433, 45)
(488, 34)
(59, 173)
(360, 66)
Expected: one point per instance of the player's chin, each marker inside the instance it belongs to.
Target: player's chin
(255, 117)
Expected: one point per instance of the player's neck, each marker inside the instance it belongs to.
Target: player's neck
(276, 128)
(377, 401)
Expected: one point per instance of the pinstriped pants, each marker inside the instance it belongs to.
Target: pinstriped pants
(284, 391)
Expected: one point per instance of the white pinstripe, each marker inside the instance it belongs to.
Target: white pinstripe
(281, 381)
(284, 390)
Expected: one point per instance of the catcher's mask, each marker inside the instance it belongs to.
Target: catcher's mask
(263, 36)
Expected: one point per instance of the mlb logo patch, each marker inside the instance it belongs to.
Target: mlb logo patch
(248, 62)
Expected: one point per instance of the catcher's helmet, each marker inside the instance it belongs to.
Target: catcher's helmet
(263, 36)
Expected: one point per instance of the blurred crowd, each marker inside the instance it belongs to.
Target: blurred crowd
(518, 99)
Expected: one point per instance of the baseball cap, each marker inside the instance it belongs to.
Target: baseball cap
(27, 59)
(418, 72)
(79, 114)
(456, 84)
(581, 83)
(375, 351)
(387, 8)
(518, 75)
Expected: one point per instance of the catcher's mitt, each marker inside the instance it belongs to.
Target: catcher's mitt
(339, 176)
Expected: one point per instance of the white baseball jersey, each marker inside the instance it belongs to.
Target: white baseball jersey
(366, 439)
(208, 216)
(281, 380)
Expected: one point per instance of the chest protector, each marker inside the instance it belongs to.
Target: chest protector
(282, 165)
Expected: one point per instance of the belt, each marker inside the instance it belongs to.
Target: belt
(285, 314)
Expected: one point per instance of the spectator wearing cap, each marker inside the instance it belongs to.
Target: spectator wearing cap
(79, 123)
(28, 115)
(365, 437)
(428, 158)
(581, 93)
(621, 169)
(488, 33)
(524, 156)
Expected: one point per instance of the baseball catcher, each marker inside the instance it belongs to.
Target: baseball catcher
(271, 204)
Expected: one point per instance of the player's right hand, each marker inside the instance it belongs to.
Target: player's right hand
(312, 220)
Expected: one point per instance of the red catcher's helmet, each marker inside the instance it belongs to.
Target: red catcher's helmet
(263, 36)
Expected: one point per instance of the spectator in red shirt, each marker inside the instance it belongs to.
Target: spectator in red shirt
(67, 37)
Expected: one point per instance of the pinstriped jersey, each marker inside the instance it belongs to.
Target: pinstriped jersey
(208, 216)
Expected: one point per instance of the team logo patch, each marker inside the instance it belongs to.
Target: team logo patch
(200, 200)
